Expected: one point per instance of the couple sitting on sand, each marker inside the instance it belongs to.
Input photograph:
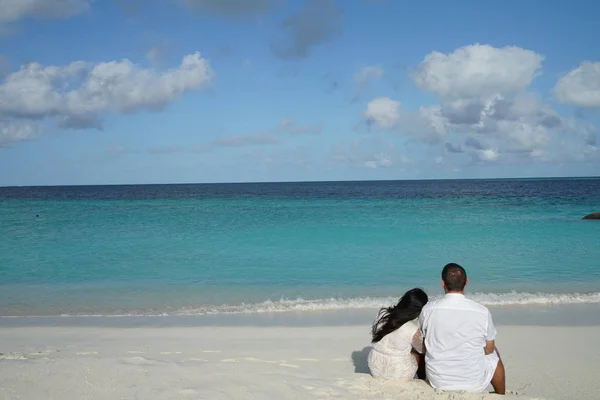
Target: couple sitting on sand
(455, 335)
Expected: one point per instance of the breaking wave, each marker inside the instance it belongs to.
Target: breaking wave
(299, 304)
(302, 305)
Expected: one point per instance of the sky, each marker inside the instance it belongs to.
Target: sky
(187, 91)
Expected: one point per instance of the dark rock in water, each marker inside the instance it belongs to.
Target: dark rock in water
(595, 215)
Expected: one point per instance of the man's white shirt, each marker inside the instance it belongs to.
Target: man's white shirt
(455, 330)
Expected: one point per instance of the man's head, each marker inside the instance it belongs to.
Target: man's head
(454, 278)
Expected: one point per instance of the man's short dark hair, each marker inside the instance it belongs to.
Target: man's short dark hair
(454, 277)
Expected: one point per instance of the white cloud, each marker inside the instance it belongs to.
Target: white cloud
(379, 160)
(477, 70)
(15, 10)
(486, 111)
(79, 94)
(517, 127)
(368, 75)
(581, 86)
(12, 131)
(487, 154)
(426, 124)
(484, 100)
(383, 112)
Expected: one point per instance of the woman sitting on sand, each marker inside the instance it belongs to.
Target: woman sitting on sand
(397, 340)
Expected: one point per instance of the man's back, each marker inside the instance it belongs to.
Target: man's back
(456, 330)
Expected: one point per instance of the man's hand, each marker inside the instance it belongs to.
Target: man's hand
(489, 347)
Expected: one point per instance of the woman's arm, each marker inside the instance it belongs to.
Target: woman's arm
(418, 342)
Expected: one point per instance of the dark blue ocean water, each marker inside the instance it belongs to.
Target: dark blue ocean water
(193, 249)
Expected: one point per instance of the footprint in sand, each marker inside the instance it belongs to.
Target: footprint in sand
(230, 360)
(87, 353)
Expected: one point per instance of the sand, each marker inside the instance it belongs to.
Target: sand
(244, 362)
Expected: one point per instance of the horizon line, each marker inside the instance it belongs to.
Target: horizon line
(307, 181)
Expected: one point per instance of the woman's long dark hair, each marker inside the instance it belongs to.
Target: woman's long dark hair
(391, 318)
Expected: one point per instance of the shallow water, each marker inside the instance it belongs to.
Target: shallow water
(198, 249)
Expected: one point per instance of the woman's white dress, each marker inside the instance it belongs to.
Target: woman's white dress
(391, 357)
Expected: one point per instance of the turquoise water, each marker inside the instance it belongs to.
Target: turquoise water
(194, 249)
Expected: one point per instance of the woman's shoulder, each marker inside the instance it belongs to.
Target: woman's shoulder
(413, 326)
(413, 323)
(410, 326)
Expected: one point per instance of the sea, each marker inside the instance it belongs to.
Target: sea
(199, 249)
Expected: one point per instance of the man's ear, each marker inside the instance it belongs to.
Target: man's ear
(443, 285)
(467, 282)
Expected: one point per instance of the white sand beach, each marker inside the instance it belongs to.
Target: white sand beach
(73, 363)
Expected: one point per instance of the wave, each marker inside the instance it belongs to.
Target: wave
(299, 304)
(332, 304)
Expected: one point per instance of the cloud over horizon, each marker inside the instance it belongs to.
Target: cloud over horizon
(78, 95)
(487, 111)
(581, 86)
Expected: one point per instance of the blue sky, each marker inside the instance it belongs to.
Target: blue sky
(131, 91)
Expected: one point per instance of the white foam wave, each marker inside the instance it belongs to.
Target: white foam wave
(488, 299)
(299, 304)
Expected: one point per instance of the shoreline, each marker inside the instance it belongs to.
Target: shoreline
(514, 315)
(14, 304)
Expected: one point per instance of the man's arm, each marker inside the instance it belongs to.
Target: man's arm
(490, 336)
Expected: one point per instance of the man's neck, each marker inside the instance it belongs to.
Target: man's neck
(461, 293)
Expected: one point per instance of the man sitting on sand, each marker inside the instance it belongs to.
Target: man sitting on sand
(459, 339)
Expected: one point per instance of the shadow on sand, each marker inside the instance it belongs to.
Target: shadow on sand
(359, 359)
